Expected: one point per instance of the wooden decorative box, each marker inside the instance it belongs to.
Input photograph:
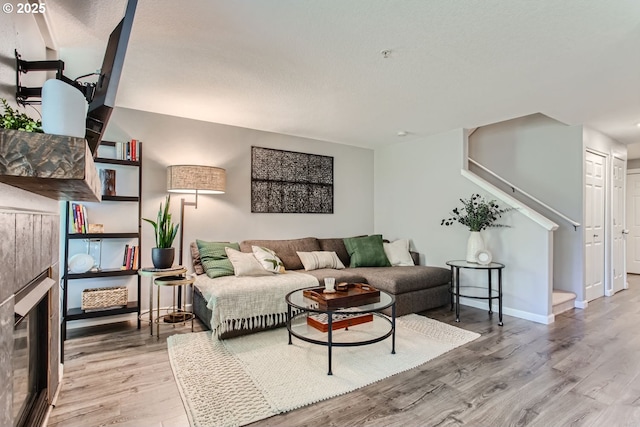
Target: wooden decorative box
(355, 294)
(101, 298)
(320, 321)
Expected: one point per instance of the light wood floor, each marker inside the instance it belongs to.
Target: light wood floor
(583, 370)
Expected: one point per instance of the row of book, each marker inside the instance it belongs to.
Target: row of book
(130, 259)
(78, 216)
(128, 150)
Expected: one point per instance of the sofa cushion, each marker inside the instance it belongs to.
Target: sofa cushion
(366, 251)
(214, 258)
(285, 249)
(335, 245)
(320, 259)
(268, 258)
(398, 253)
(195, 258)
(398, 280)
(246, 264)
(347, 275)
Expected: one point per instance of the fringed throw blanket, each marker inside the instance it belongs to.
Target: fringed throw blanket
(243, 303)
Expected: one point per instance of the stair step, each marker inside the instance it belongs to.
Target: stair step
(562, 301)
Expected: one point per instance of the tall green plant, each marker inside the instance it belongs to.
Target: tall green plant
(164, 228)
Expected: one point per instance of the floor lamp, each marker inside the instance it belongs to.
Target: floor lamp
(193, 179)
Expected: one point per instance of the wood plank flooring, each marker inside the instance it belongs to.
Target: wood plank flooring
(583, 370)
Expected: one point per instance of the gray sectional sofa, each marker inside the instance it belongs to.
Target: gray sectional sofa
(415, 288)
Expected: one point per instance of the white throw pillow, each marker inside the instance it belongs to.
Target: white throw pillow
(398, 253)
(268, 259)
(320, 259)
(245, 263)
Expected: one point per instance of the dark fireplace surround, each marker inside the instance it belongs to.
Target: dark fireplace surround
(29, 305)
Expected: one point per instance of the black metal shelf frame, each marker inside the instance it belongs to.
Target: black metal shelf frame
(71, 314)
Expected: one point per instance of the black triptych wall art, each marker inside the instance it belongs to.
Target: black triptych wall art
(290, 182)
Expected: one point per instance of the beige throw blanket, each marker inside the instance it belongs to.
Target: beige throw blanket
(241, 303)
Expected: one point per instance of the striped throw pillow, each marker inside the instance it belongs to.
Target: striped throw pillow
(320, 259)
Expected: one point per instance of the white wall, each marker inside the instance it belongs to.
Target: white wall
(543, 157)
(171, 140)
(21, 32)
(417, 184)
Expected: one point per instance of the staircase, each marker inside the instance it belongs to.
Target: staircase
(562, 301)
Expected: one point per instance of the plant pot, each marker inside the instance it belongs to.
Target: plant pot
(162, 257)
(474, 244)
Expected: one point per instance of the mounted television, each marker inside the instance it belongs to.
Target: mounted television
(104, 93)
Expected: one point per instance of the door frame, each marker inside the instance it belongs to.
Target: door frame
(633, 171)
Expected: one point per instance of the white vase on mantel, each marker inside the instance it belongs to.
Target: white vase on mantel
(474, 244)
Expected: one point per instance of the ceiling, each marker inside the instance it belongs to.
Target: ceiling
(315, 68)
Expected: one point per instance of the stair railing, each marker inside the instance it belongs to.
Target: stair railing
(514, 188)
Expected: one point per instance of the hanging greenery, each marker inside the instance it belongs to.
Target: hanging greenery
(11, 119)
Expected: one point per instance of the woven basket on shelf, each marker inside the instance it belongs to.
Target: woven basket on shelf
(104, 297)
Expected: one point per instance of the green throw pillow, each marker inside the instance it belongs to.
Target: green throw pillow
(366, 251)
(214, 258)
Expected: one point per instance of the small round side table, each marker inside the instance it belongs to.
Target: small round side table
(474, 291)
(177, 315)
(158, 272)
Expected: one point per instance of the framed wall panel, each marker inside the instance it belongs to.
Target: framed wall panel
(290, 182)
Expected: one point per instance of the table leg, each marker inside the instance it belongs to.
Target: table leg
(393, 328)
(330, 339)
(193, 301)
(157, 316)
(457, 294)
(174, 310)
(500, 297)
(490, 300)
(289, 322)
(451, 284)
(151, 305)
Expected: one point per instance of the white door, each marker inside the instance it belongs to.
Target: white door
(618, 223)
(633, 222)
(594, 225)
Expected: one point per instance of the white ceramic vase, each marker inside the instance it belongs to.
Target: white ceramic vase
(474, 244)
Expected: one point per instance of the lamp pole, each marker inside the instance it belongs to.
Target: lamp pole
(183, 203)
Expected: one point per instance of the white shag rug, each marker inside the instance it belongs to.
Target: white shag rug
(238, 381)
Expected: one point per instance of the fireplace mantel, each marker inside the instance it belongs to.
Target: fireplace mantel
(54, 166)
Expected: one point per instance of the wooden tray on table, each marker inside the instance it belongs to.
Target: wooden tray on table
(355, 294)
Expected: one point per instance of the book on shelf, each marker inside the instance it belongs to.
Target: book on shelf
(128, 150)
(130, 257)
(134, 150)
(78, 217)
(119, 155)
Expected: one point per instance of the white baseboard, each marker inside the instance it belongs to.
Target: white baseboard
(538, 318)
(581, 304)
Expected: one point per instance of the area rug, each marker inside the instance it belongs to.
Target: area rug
(238, 381)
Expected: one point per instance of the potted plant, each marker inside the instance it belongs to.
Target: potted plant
(163, 254)
(478, 214)
(11, 119)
